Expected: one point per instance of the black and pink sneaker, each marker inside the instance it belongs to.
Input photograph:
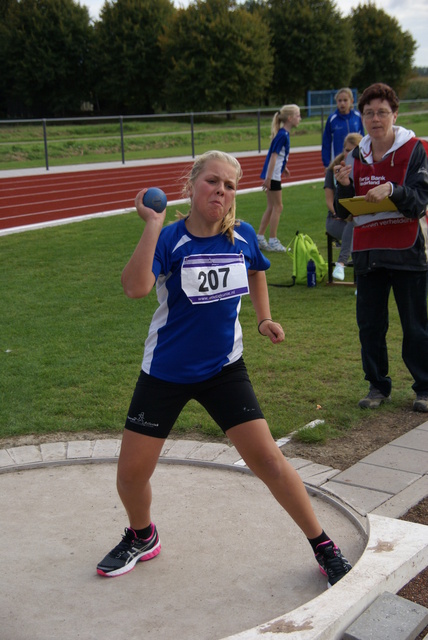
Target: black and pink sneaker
(131, 550)
(331, 561)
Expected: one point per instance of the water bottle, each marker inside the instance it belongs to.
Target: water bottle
(312, 274)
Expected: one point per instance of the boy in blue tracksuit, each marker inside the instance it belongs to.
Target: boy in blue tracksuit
(343, 121)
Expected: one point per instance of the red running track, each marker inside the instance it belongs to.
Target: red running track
(56, 196)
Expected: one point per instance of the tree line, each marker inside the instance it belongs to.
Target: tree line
(147, 56)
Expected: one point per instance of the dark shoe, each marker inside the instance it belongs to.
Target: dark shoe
(125, 556)
(373, 399)
(331, 561)
(421, 402)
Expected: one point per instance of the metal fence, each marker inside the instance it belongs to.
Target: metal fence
(41, 137)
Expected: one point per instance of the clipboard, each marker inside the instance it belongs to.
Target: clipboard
(359, 207)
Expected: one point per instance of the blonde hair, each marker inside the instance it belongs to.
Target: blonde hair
(281, 117)
(337, 160)
(348, 92)
(353, 138)
(229, 221)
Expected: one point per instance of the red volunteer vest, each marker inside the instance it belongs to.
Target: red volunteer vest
(387, 233)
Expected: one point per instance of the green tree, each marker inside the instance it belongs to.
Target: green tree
(417, 89)
(5, 77)
(313, 47)
(219, 57)
(4, 8)
(44, 56)
(129, 70)
(387, 51)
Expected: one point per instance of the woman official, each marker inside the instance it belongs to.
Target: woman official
(390, 248)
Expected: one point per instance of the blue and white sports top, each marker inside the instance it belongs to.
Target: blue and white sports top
(195, 331)
(280, 145)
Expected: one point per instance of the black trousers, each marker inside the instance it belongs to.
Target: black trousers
(410, 290)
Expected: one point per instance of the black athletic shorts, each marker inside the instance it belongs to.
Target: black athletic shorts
(228, 397)
(275, 185)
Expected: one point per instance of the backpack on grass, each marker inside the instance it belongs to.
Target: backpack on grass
(302, 249)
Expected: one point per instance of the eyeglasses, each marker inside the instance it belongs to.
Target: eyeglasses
(382, 114)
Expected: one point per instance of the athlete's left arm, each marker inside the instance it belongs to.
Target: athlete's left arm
(260, 299)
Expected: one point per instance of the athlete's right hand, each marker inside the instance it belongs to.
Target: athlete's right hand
(146, 213)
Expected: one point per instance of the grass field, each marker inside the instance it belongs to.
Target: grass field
(71, 342)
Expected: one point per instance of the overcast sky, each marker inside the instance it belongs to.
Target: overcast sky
(412, 16)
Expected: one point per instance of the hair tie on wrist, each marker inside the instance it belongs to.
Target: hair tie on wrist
(260, 323)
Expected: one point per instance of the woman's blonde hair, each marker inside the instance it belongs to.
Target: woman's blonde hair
(229, 221)
(281, 117)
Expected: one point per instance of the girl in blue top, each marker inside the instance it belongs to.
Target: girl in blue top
(274, 167)
(339, 124)
(202, 265)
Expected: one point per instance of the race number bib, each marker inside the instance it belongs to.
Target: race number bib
(209, 278)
